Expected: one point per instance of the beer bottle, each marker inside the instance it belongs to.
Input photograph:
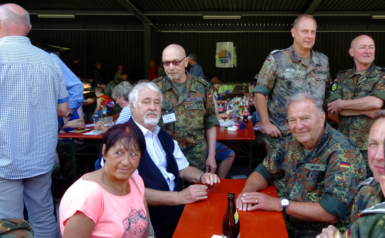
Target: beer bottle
(230, 225)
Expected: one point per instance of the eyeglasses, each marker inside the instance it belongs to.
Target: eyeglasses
(175, 62)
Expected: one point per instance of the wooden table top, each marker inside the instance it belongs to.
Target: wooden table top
(86, 102)
(204, 219)
(333, 117)
(70, 135)
(245, 134)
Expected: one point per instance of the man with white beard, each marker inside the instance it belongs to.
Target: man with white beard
(188, 110)
(163, 165)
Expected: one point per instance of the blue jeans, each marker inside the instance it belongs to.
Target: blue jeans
(255, 117)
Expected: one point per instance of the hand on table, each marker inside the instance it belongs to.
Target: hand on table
(192, 194)
(272, 130)
(327, 232)
(98, 125)
(77, 123)
(211, 164)
(209, 179)
(335, 107)
(251, 201)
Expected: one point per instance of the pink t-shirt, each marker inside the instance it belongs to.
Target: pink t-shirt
(114, 216)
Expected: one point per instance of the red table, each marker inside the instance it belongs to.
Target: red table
(204, 219)
(70, 135)
(239, 135)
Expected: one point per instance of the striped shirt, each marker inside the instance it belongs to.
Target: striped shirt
(124, 115)
(31, 86)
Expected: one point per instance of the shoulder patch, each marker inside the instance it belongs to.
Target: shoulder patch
(275, 51)
(334, 86)
(378, 208)
(202, 81)
(366, 182)
(344, 141)
(322, 55)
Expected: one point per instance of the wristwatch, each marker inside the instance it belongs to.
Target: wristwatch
(284, 203)
(69, 114)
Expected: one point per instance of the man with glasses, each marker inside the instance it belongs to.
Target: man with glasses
(188, 111)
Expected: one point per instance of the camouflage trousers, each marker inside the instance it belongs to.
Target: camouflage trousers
(272, 143)
(364, 154)
(15, 228)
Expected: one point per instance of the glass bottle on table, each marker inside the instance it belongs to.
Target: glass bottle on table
(220, 108)
(230, 224)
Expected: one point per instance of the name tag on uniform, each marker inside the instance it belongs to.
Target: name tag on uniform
(168, 118)
(290, 70)
(317, 167)
(197, 99)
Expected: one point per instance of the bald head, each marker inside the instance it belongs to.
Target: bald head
(175, 50)
(14, 20)
(360, 38)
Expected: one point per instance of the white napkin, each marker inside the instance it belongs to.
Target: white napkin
(216, 236)
(232, 128)
(94, 133)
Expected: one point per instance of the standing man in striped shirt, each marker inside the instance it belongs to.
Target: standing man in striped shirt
(28, 123)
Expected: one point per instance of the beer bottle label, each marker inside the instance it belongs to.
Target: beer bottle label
(236, 217)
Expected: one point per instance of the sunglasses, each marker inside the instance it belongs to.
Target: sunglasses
(175, 62)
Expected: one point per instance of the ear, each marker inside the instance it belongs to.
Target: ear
(351, 52)
(323, 116)
(382, 183)
(186, 62)
(292, 32)
(104, 150)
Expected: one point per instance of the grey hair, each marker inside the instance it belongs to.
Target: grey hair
(134, 95)
(123, 89)
(193, 57)
(7, 15)
(300, 97)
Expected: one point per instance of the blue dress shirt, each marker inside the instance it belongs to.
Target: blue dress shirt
(196, 70)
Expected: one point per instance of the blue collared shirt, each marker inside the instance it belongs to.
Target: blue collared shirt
(31, 86)
(196, 70)
(74, 86)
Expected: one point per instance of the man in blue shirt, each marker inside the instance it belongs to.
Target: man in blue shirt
(195, 69)
(74, 87)
(28, 123)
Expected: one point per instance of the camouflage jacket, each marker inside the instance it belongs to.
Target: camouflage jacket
(369, 194)
(328, 175)
(109, 88)
(370, 224)
(194, 111)
(348, 86)
(15, 228)
(283, 75)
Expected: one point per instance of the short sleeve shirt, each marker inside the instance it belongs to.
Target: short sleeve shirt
(114, 216)
(348, 86)
(328, 175)
(284, 74)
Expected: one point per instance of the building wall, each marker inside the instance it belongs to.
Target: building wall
(113, 48)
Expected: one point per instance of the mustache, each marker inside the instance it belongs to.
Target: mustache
(152, 112)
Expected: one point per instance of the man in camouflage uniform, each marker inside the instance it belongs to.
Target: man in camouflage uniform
(15, 228)
(321, 169)
(188, 104)
(358, 93)
(287, 72)
(369, 192)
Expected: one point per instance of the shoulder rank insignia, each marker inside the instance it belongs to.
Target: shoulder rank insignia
(322, 55)
(202, 81)
(275, 51)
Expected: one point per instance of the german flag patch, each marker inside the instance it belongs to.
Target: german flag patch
(345, 165)
(210, 95)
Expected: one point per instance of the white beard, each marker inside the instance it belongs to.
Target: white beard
(152, 121)
(176, 77)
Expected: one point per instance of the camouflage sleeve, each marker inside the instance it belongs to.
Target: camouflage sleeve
(9, 227)
(210, 117)
(379, 88)
(354, 212)
(266, 77)
(336, 91)
(368, 226)
(328, 80)
(343, 175)
(271, 167)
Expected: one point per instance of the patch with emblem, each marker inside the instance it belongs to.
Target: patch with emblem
(345, 165)
(334, 86)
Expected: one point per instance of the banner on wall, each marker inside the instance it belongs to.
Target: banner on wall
(225, 56)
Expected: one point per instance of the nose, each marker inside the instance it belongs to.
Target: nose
(379, 155)
(171, 66)
(299, 125)
(125, 160)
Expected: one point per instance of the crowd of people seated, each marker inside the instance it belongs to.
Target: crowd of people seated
(161, 154)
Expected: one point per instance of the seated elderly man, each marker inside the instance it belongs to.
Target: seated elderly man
(321, 169)
(369, 191)
(163, 164)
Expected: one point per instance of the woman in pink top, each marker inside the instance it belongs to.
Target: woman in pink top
(109, 202)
